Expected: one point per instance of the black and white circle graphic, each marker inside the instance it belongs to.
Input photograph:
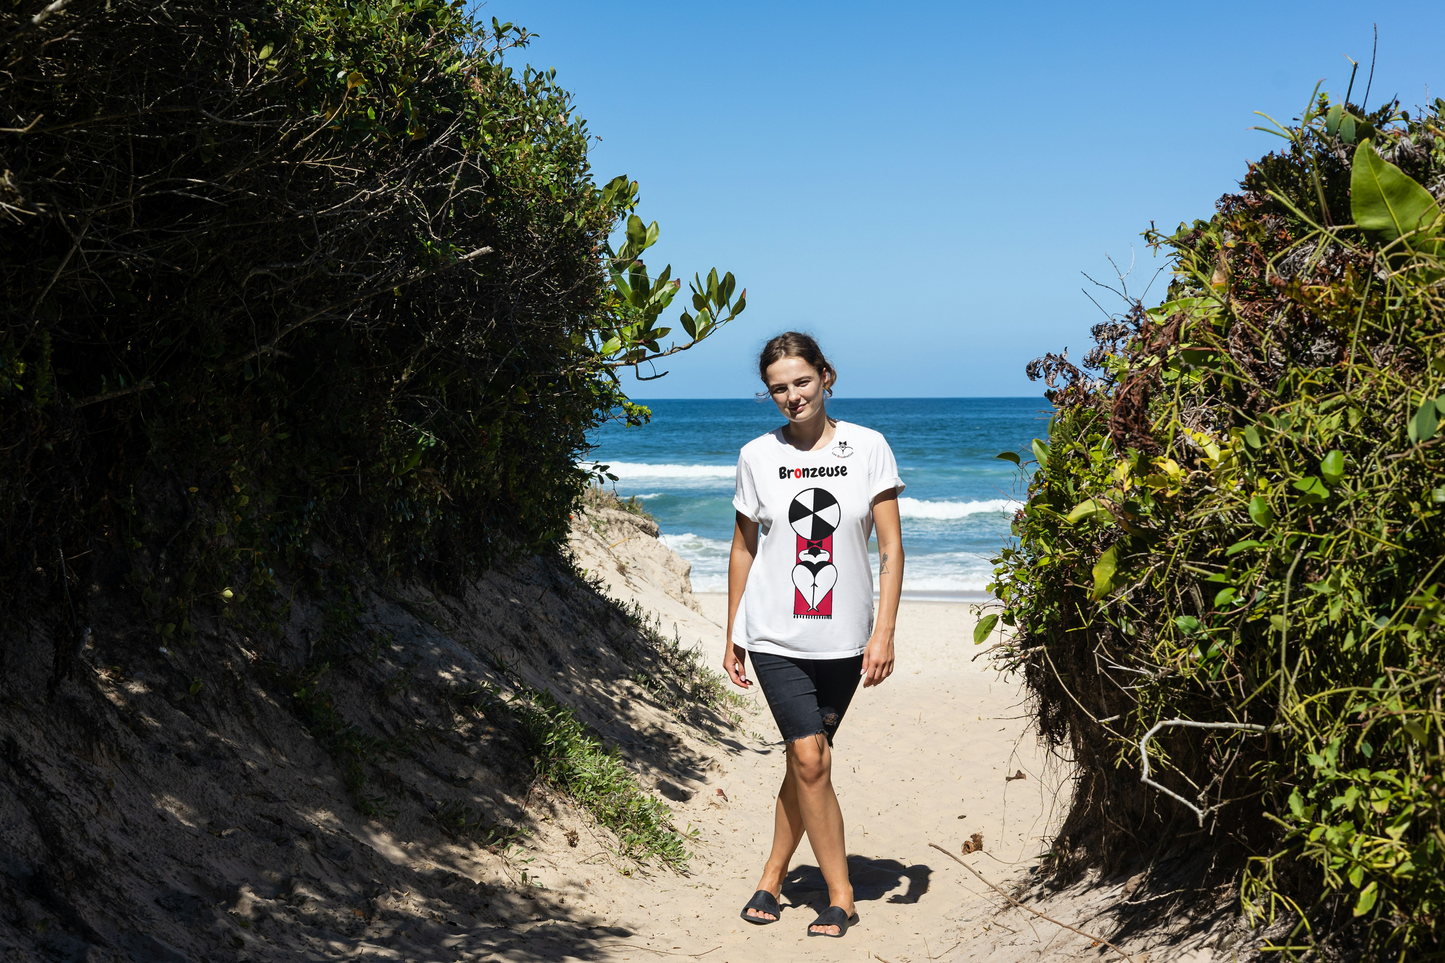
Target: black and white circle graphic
(814, 514)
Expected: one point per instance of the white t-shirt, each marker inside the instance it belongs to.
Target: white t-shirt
(810, 591)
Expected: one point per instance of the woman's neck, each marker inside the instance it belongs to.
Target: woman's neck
(810, 435)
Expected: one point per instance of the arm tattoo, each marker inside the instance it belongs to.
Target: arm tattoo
(883, 565)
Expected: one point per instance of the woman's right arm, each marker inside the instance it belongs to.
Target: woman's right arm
(740, 563)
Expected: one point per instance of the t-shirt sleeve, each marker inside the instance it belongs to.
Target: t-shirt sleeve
(882, 471)
(745, 499)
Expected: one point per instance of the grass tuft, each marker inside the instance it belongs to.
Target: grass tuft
(566, 756)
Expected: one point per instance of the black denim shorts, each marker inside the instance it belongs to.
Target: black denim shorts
(807, 696)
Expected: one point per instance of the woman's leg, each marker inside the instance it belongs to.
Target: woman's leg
(810, 763)
(787, 834)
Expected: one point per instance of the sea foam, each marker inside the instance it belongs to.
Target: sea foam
(633, 469)
(943, 510)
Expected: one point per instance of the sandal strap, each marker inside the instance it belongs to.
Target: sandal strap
(763, 900)
(833, 916)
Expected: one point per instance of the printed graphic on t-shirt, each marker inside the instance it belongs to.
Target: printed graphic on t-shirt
(814, 515)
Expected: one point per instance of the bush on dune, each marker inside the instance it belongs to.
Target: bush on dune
(281, 271)
(1238, 523)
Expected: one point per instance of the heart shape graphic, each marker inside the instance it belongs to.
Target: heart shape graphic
(814, 582)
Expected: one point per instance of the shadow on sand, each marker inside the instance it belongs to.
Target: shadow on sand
(873, 879)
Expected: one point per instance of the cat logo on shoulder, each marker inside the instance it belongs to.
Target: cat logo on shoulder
(842, 450)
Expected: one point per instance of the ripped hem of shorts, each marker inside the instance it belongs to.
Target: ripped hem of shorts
(808, 735)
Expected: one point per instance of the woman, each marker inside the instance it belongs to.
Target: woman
(814, 489)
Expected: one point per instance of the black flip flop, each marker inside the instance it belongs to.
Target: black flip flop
(763, 902)
(833, 916)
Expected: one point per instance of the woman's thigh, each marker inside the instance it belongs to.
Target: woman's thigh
(836, 680)
(807, 696)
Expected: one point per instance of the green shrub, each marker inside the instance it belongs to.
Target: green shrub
(1238, 522)
(277, 272)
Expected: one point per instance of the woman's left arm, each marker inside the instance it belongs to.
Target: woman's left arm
(878, 657)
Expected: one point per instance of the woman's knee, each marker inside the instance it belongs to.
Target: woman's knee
(812, 760)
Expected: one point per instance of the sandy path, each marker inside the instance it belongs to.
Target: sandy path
(921, 759)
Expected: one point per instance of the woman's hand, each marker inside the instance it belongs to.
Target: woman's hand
(877, 660)
(735, 665)
(740, 563)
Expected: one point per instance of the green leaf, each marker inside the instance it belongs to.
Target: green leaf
(1009, 456)
(1251, 435)
(1259, 511)
(1041, 452)
(1087, 509)
(1424, 423)
(1238, 547)
(612, 346)
(688, 326)
(1347, 129)
(1312, 490)
(1188, 624)
(984, 628)
(1386, 200)
(1416, 731)
(1368, 895)
(1333, 467)
(1104, 570)
(1333, 118)
(1225, 597)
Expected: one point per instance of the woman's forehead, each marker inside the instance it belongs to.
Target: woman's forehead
(788, 368)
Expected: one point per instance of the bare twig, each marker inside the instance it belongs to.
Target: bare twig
(364, 295)
(118, 393)
(1188, 723)
(22, 130)
(45, 14)
(1030, 909)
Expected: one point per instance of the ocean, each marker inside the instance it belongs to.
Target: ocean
(956, 508)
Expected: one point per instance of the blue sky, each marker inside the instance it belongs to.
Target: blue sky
(921, 184)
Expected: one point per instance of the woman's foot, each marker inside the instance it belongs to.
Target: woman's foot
(833, 921)
(762, 908)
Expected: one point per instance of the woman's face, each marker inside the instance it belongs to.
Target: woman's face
(796, 387)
